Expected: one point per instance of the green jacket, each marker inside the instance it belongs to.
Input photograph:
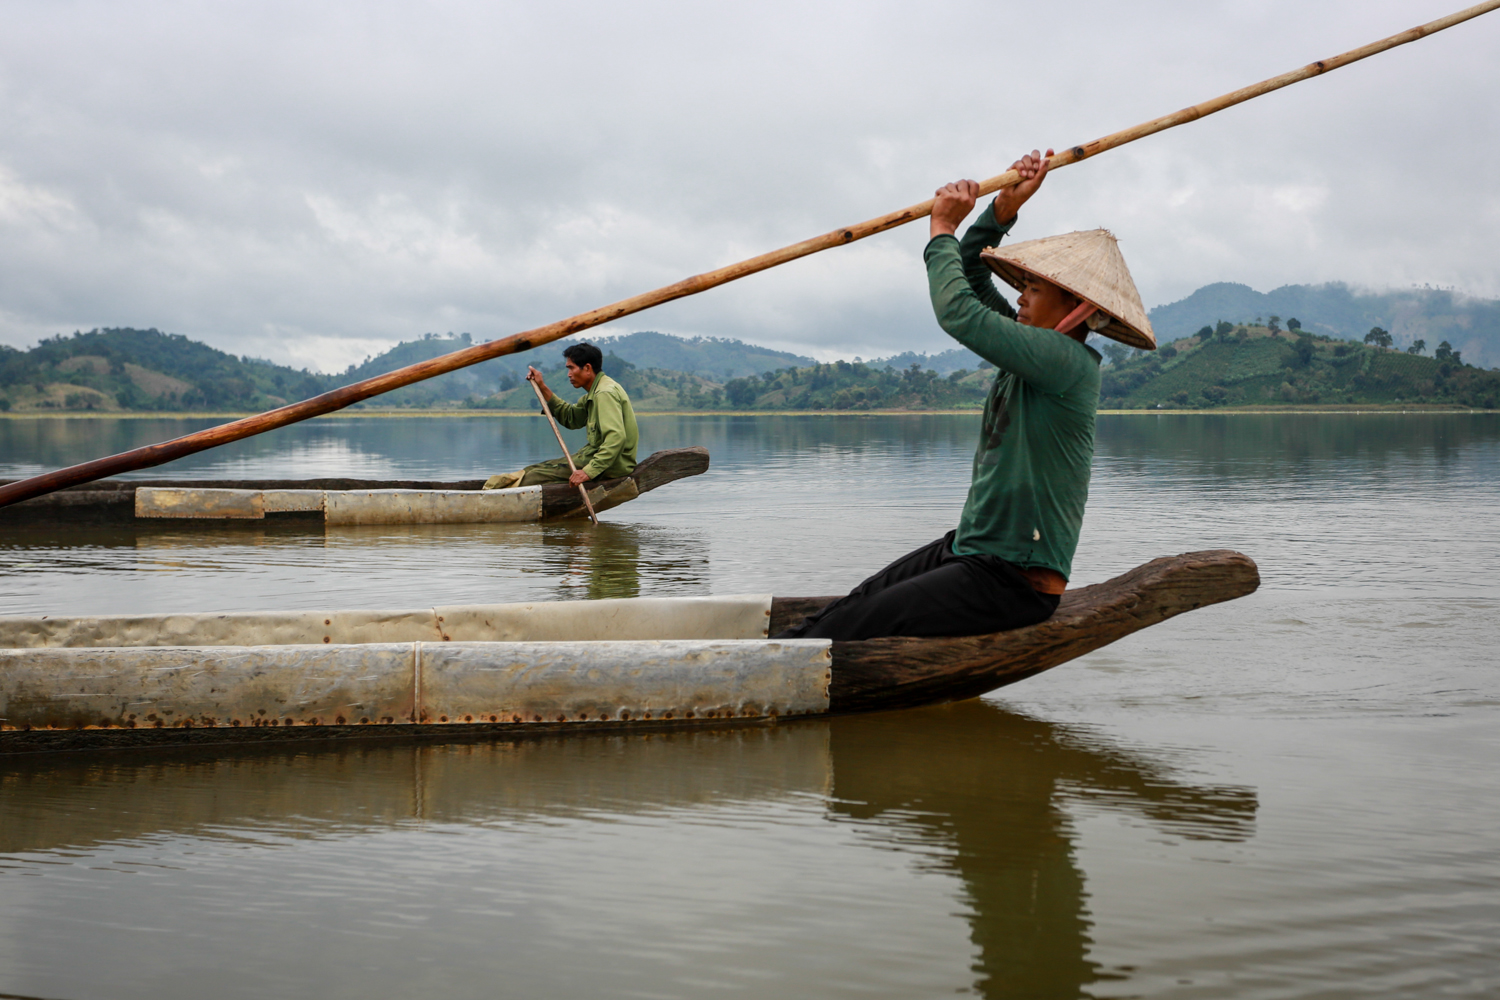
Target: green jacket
(606, 410)
(1031, 470)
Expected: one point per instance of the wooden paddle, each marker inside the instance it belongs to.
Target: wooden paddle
(582, 490)
(337, 399)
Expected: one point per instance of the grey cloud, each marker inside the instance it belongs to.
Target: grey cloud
(309, 182)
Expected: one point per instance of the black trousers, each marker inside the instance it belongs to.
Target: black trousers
(932, 592)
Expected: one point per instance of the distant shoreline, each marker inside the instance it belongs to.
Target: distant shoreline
(1338, 408)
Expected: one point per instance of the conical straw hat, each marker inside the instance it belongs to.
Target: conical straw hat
(1090, 266)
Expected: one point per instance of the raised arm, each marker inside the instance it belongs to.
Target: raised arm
(1050, 361)
(965, 304)
(956, 200)
(985, 233)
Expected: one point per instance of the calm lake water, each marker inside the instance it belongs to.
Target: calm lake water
(1291, 795)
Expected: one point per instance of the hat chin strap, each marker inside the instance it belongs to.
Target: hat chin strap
(1070, 322)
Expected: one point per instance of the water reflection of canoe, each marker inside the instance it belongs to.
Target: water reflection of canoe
(354, 501)
(465, 671)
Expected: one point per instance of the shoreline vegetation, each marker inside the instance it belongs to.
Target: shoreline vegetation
(384, 414)
(1220, 369)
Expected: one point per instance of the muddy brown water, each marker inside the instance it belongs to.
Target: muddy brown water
(1292, 795)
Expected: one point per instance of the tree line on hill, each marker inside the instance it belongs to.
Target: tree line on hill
(127, 369)
(147, 370)
(1246, 365)
(1471, 325)
(1225, 364)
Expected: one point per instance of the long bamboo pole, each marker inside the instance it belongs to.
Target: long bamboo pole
(547, 411)
(337, 399)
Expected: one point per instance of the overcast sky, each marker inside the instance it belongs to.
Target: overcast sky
(313, 182)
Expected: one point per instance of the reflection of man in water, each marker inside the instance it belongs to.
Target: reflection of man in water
(597, 561)
(604, 409)
(1007, 563)
(985, 785)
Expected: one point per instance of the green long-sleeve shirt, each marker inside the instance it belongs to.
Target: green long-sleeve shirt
(605, 409)
(1031, 470)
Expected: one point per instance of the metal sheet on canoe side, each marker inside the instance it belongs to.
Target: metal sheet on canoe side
(611, 619)
(432, 506)
(175, 501)
(588, 681)
(170, 687)
(288, 501)
(719, 617)
(246, 628)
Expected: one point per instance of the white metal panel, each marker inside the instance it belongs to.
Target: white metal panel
(432, 506)
(721, 617)
(173, 687)
(603, 681)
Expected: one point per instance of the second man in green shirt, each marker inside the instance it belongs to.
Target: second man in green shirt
(604, 409)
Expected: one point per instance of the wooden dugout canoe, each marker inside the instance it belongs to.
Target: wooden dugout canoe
(351, 501)
(463, 672)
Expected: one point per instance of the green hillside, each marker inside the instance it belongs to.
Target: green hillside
(711, 357)
(1256, 366)
(1338, 310)
(700, 358)
(944, 362)
(1232, 366)
(146, 370)
(844, 385)
(125, 369)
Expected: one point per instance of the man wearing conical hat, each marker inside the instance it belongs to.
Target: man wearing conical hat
(1007, 563)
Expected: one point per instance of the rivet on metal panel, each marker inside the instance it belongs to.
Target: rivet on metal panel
(561, 717)
(327, 638)
(339, 720)
(625, 714)
(327, 621)
(468, 718)
(494, 718)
